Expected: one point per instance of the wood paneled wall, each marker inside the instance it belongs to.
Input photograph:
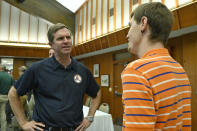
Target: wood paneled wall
(105, 62)
(105, 16)
(16, 64)
(23, 52)
(183, 17)
(184, 50)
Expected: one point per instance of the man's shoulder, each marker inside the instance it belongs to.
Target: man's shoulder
(151, 62)
(1, 73)
(4, 74)
(40, 63)
(136, 63)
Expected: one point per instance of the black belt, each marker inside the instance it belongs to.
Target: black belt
(48, 128)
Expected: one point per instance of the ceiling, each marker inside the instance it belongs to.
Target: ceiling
(50, 10)
(72, 6)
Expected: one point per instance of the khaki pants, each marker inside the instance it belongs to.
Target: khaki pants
(3, 121)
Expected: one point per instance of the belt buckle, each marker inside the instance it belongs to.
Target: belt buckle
(61, 129)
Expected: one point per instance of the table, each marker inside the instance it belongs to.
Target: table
(102, 121)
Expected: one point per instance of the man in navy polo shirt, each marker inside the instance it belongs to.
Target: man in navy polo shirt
(59, 84)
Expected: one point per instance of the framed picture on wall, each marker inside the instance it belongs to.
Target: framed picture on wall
(105, 80)
(96, 70)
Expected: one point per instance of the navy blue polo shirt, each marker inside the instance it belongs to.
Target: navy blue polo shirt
(58, 91)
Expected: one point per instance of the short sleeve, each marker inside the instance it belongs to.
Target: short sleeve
(26, 82)
(139, 111)
(92, 87)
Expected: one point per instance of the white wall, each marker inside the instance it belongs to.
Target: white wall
(76, 28)
(111, 18)
(94, 16)
(84, 23)
(89, 17)
(99, 19)
(24, 25)
(104, 16)
(5, 12)
(19, 26)
(118, 14)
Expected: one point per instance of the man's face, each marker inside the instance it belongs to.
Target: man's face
(62, 43)
(134, 36)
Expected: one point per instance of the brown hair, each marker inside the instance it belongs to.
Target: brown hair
(160, 20)
(53, 29)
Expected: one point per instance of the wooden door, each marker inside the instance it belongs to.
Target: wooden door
(184, 49)
(190, 65)
(118, 108)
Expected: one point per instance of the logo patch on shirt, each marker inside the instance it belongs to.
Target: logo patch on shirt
(77, 78)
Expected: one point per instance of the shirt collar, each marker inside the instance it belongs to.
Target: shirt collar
(56, 64)
(156, 52)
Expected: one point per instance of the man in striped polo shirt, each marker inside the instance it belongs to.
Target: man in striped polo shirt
(156, 89)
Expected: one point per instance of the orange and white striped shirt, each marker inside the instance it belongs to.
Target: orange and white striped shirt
(156, 94)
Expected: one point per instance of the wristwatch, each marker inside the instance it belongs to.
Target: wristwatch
(90, 118)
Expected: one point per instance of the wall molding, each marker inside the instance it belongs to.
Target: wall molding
(173, 34)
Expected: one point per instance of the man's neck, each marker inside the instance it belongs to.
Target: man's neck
(65, 60)
(146, 46)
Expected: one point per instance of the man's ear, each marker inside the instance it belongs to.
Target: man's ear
(144, 23)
